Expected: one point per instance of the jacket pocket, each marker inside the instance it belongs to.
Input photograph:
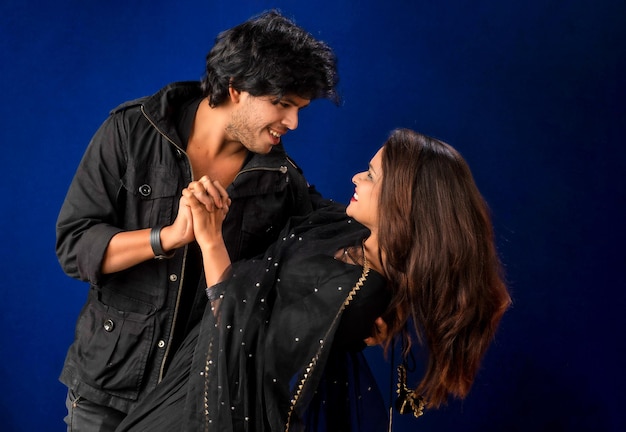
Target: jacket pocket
(153, 192)
(112, 347)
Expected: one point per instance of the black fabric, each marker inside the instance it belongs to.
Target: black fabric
(266, 357)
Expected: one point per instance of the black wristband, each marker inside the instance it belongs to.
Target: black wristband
(155, 242)
(212, 293)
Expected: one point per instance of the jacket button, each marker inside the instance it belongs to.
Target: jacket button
(145, 190)
(173, 278)
(161, 343)
(109, 325)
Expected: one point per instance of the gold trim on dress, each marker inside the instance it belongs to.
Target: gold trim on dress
(314, 360)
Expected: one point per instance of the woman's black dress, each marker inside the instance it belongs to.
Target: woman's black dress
(281, 349)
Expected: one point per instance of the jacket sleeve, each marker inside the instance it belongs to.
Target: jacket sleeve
(89, 217)
(312, 195)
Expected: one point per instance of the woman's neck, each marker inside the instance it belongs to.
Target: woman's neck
(371, 251)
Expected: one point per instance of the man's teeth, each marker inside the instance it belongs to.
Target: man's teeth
(274, 133)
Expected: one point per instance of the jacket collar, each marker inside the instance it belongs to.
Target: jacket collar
(163, 109)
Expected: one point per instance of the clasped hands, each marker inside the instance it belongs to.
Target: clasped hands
(202, 209)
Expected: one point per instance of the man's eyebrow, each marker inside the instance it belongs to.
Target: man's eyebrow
(293, 102)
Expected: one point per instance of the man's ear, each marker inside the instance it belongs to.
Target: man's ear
(234, 94)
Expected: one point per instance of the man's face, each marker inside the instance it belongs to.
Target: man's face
(259, 122)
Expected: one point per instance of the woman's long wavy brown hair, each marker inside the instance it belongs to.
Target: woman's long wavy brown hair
(441, 261)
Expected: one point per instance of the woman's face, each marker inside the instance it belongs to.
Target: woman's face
(364, 203)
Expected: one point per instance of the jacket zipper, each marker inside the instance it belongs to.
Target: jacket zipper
(282, 169)
(182, 269)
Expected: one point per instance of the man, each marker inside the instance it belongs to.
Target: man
(120, 227)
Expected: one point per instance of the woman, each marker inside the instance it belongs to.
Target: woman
(280, 344)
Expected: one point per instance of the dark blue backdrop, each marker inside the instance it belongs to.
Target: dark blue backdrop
(532, 93)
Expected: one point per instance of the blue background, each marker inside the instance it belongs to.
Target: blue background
(532, 93)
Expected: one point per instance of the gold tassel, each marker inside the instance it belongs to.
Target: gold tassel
(408, 400)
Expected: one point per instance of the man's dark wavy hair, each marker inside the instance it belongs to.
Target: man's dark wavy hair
(269, 55)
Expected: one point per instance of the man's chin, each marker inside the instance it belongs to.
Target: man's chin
(270, 148)
(260, 149)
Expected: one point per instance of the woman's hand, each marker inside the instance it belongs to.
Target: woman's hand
(380, 333)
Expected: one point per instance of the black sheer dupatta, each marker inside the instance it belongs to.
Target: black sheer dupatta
(264, 358)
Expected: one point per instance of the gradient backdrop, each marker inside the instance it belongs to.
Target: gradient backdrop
(532, 93)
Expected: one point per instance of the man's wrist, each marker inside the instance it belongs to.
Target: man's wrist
(155, 243)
